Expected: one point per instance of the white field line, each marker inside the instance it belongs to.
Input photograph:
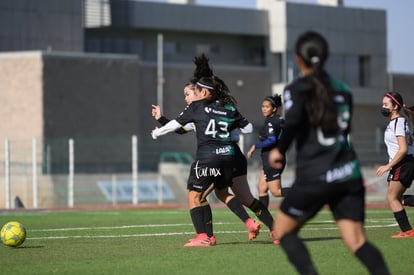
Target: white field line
(175, 225)
(112, 227)
(167, 233)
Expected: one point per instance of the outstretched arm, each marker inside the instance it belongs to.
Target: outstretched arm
(156, 113)
(167, 128)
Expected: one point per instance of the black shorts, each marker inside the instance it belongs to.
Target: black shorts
(270, 173)
(205, 172)
(239, 163)
(403, 171)
(346, 200)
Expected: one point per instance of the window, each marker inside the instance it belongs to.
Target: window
(170, 47)
(119, 45)
(207, 49)
(256, 56)
(351, 70)
(364, 71)
(114, 45)
(292, 70)
(136, 46)
(93, 45)
(336, 66)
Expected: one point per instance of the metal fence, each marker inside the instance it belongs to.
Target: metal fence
(95, 171)
(42, 173)
(115, 171)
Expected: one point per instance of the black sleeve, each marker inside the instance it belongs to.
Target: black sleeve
(294, 117)
(241, 121)
(163, 120)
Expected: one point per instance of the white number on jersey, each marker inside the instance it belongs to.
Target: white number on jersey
(211, 129)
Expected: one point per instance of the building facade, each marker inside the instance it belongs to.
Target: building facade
(93, 74)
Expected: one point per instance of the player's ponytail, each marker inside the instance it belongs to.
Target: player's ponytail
(202, 69)
(313, 49)
(218, 90)
(224, 94)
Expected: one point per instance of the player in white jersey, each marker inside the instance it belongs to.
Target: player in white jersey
(398, 139)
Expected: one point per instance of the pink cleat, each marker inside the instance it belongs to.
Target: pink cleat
(212, 240)
(253, 228)
(404, 235)
(201, 240)
(274, 238)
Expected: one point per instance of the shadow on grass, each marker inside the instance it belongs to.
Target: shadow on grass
(271, 243)
(247, 242)
(321, 239)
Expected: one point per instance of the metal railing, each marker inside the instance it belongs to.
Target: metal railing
(121, 171)
(43, 173)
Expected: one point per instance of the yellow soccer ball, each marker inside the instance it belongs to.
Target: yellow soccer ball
(13, 234)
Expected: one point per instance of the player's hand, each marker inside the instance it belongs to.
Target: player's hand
(156, 111)
(276, 159)
(154, 133)
(251, 151)
(383, 169)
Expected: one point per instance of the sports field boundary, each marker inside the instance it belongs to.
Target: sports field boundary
(273, 207)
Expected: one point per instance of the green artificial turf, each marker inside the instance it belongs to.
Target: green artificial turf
(138, 241)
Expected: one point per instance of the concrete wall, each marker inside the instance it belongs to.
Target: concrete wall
(88, 93)
(21, 86)
(358, 32)
(193, 18)
(102, 100)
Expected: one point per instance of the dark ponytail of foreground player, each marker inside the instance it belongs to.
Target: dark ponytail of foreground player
(313, 50)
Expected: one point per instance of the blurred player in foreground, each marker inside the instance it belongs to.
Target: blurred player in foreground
(318, 117)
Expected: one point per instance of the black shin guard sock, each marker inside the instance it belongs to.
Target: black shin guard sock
(262, 213)
(208, 218)
(371, 257)
(237, 208)
(298, 254)
(264, 200)
(402, 220)
(198, 219)
(284, 191)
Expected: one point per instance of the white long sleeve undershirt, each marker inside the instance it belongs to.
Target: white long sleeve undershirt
(247, 129)
(167, 128)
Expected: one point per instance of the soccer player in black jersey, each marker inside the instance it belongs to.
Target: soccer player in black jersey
(240, 186)
(214, 117)
(318, 112)
(270, 178)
